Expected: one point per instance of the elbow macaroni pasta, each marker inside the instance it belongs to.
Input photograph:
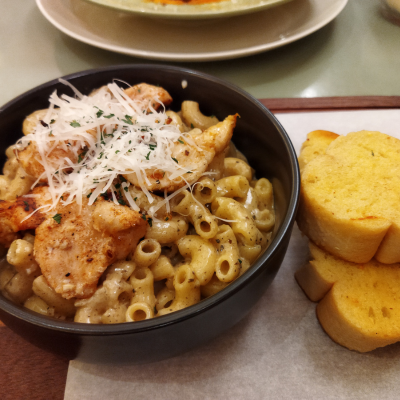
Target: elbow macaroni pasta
(206, 238)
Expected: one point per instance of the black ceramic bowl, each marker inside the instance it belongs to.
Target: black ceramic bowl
(258, 135)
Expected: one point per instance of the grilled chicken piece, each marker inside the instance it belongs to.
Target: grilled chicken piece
(73, 249)
(195, 158)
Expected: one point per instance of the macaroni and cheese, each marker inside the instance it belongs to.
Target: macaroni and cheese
(114, 209)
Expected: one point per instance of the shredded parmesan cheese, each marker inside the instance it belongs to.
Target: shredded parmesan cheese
(103, 137)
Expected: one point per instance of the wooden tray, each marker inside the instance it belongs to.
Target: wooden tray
(29, 372)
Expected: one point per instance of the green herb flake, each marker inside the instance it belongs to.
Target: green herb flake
(144, 216)
(122, 202)
(26, 206)
(109, 116)
(99, 113)
(150, 221)
(192, 126)
(75, 124)
(52, 121)
(175, 160)
(148, 154)
(135, 199)
(81, 156)
(122, 179)
(240, 260)
(181, 141)
(57, 218)
(128, 120)
(126, 188)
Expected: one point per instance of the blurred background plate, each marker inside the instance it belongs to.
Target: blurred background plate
(204, 40)
(210, 9)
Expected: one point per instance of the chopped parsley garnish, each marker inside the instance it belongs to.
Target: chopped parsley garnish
(240, 260)
(152, 146)
(122, 202)
(150, 221)
(109, 116)
(148, 154)
(75, 124)
(57, 218)
(144, 216)
(135, 199)
(128, 120)
(52, 121)
(81, 156)
(175, 160)
(181, 141)
(99, 113)
(192, 126)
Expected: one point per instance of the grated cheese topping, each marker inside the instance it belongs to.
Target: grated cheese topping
(87, 142)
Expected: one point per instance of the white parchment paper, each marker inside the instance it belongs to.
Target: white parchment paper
(279, 350)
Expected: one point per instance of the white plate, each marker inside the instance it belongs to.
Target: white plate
(189, 40)
(215, 9)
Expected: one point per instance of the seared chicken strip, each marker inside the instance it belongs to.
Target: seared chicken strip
(14, 215)
(74, 248)
(194, 157)
(144, 92)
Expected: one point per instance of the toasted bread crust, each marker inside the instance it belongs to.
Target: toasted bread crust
(359, 304)
(349, 196)
(314, 146)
